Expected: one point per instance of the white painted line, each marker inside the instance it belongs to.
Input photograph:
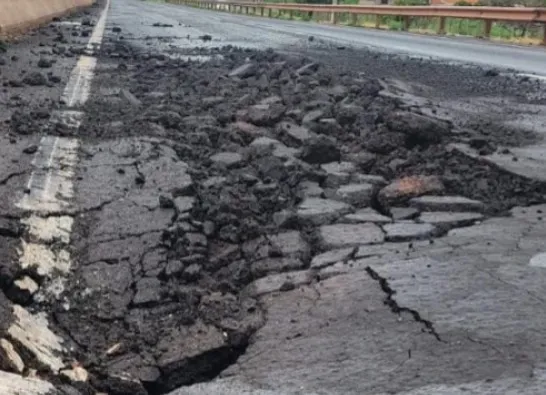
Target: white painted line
(47, 201)
(50, 189)
(13, 384)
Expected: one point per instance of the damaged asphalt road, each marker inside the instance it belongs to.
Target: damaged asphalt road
(225, 220)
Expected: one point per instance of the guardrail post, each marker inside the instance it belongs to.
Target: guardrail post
(442, 25)
(291, 14)
(354, 19)
(377, 21)
(487, 28)
(310, 15)
(406, 23)
(246, 10)
(261, 11)
(543, 34)
(269, 12)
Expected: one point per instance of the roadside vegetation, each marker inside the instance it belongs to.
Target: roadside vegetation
(521, 33)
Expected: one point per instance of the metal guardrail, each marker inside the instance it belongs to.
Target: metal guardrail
(486, 14)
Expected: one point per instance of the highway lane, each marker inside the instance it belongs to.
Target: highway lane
(263, 32)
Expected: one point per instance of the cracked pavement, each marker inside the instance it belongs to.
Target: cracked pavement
(214, 220)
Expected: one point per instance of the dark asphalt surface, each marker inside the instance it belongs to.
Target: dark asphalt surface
(202, 215)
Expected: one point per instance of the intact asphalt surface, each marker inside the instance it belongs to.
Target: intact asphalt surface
(257, 32)
(454, 315)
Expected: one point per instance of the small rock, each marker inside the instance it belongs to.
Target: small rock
(311, 117)
(228, 159)
(206, 37)
(166, 201)
(130, 98)
(419, 129)
(400, 213)
(31, 149)
(293, 133)
(148, 290)
(307, 69)
(244, 71)
(174, 268)
(275, 265)
(446, 203)
(358, 195)
(448, 220)
(366, 215)
(192, 272)
(75, 374)
(364, 160)
(350, 235)
(116, 29)
(10, 360)
(35, 79)
(22, 290)
(368, 179)
(265, 114)
(321, 211)
(491, 73)
(321, 149)
(311, 189)
(408, 231)
(44, 63)
(279, 282)
(183, 204)
(401, 190)
(330, 257)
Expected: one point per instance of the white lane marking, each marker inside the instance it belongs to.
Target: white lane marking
(13, 384)
(47, 202)
(79, 83)
(50, 188)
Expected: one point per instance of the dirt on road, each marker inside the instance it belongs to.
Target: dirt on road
(281, 158)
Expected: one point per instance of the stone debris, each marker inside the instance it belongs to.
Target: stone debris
(279, 282)
(408, 231)
(252, 164)
(244, 71)
(358, 195)
(350, 235)
(77, 373)
(321, 211)
(400, 213)
(402, 190)
(448, 220)
(23, 289)
(329, 257)
(33, 335)
(10, 360)
(14, 384)
(228, 159)
(446, 203)
(366, 215)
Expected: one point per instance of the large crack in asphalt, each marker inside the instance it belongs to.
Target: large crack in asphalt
(391, 302)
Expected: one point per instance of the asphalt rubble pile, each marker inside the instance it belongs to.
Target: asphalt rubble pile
(293, 168)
